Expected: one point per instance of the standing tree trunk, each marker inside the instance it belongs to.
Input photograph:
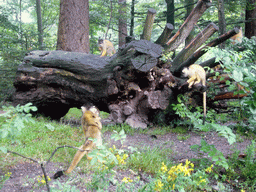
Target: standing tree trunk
(190, 6)
(250, 15)
(148, 27)
(222, 21)
(122, 25)
(39, 24)
(170, 11)
(132, 18)
(73, 31)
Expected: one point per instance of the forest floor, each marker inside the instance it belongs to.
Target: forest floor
(24, 174)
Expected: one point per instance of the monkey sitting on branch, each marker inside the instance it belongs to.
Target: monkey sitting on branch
(92, 129)
(196, 74)
(106, 47)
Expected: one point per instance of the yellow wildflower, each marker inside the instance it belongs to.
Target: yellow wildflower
(187, 163)
(159, 185)
(163, 168)
(127, 180)
(8, 174)
(43, 181)
(125, 156)
(209, 169)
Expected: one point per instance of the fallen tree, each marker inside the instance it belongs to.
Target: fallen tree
(133, 85)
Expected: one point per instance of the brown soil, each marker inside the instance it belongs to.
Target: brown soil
(24, 175)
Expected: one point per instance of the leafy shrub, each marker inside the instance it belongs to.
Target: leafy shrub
(12, 121)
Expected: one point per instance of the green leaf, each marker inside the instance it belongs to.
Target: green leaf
(252, 109)
(5, 133)
(215, 158)
(93, 161)
(194, 147)
(50, 127)
(237, 75)
(3, 149)
(212, 153)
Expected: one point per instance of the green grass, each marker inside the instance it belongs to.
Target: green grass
(150, 160)
(180, 130)
(40, 139)
(73, 113)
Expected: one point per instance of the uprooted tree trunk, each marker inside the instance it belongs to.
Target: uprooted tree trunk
(133, 85)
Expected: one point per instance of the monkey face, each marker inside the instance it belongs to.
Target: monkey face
(185, 72)
(100, 41)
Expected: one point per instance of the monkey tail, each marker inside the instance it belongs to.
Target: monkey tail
(204, 103)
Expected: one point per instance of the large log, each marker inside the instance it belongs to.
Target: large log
(129, 85)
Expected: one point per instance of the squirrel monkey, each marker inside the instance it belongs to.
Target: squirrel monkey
(106, 47)
(196, 74)
(238, 37)
(92, 129)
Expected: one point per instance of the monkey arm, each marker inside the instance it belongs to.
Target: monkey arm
(104, 53)
(191, 81)
(104, 49)
(197, 79)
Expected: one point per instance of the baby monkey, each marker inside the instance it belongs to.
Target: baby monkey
(106, 47)
(196, 74)
(92, 129)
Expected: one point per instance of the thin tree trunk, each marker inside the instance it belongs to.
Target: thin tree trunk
(148, 27)
(250, 17)
(132, 18)
(20, 22)
(190, 6)
(73, 30)
(122, 24)
(170, 11)
(222, 21)
(39, 24)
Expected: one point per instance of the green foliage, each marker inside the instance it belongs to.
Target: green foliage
(240, 67)
(12, 121)
(150, 159)
(188, 117)
(73, 113)
(226, 132)
(63, 187)
(216, 155)
(243, 168)
(193, 119)
(4, 178)
(119, 136)
(119, 127)
(179, 177)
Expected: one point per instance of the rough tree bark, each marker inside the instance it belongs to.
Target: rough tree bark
(189, 7)
(122, 24)
(39, 24)
(133, 85)
(73, 30)
(222, 20)
(250, 15)
(148, 27)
